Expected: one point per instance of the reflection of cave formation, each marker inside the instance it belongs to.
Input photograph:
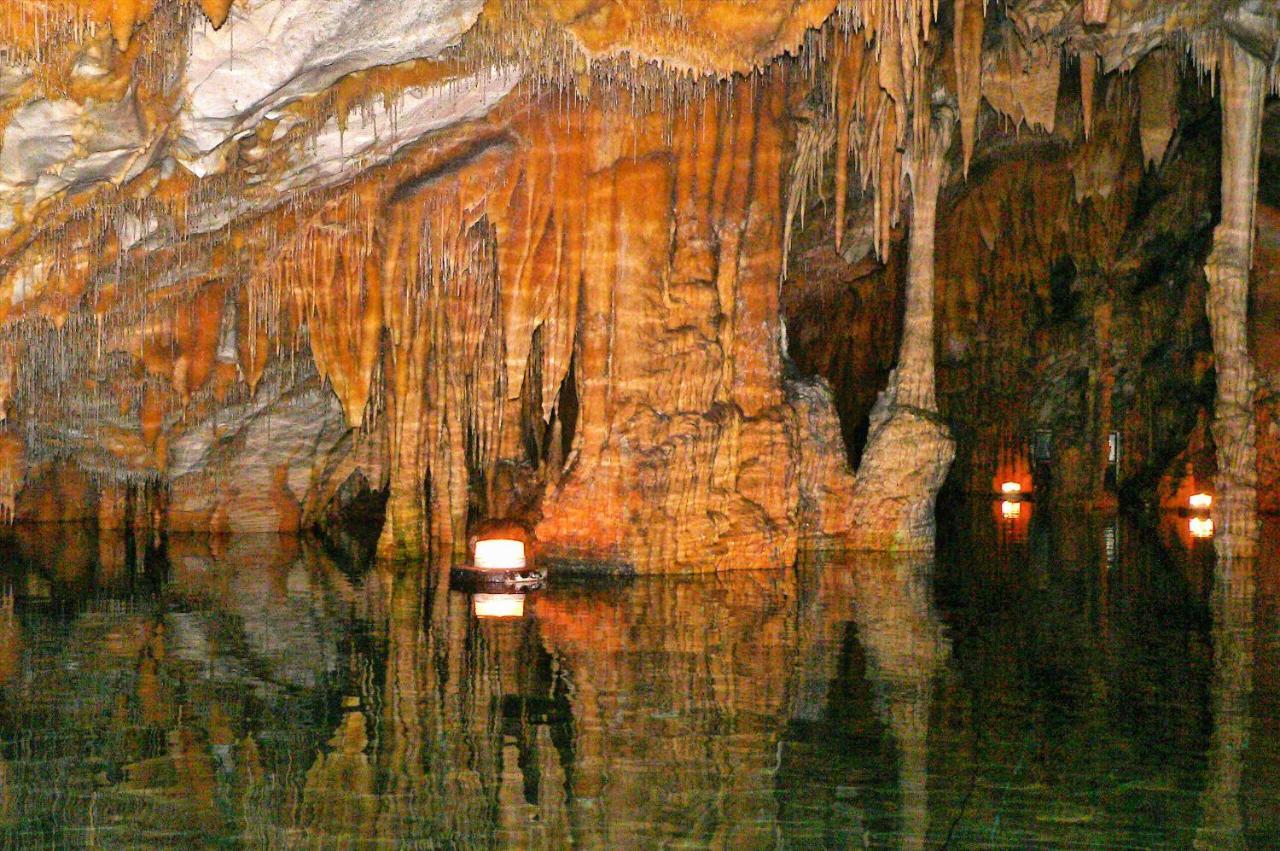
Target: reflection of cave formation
(1234, 587)
(261, 691)
(889, 601)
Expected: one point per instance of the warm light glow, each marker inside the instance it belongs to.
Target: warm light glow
(498, 605)
(1201, 501)
(1202, 527)
(1010, 510)
(1010, 488)
(499, 554)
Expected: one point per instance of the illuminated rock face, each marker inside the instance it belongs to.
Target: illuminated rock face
(529, 260)
(623, 348)
(278, 51)
(687, 453)
(712, 36)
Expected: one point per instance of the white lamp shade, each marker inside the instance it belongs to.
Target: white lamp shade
(1201, 527)
(1011, 488)
(1010, 510)
(1201, 501)
(500, 554)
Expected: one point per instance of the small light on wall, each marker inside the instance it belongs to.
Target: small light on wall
(498, 605)
(1202, 527)
(1010, 488)
(1010, 510)
(499, 554)
(1201, 501)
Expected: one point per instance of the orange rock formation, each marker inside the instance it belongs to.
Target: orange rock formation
(535, 264)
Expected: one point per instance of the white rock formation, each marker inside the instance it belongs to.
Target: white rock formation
(373, 136)
(61, 146)
(272, 52)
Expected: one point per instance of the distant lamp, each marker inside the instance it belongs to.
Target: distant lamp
(1202, 527)
(500, 554)
(1201, 502)
(498, 606)
(1010, 510)
(1011, 488)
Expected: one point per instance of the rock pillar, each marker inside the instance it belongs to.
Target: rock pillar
(1234, 432)
(909, 449)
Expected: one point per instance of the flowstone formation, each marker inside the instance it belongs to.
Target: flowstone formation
(268, 265)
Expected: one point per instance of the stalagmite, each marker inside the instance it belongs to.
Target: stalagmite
(909, 449)
(1243, 80)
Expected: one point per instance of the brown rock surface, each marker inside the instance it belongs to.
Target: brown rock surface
(530, 259)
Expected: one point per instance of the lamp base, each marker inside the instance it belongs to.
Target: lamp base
(469, 576)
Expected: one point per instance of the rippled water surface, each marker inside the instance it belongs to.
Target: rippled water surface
(1048, 682)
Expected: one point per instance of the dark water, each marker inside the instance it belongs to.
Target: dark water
(1078, 683)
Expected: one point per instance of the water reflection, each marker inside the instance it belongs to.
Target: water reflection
(1083, 682)
(1222, 819)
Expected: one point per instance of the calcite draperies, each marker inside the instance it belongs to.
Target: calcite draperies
(644, 254)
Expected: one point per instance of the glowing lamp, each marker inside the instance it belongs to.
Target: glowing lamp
(499, 554)
(1202, 527)
(1010, 510)
(1201, 501)
(502, 560)
(1010, 488)
(498, 605)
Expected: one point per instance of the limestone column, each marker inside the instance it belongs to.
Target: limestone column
(915, 371)
(909, 449)
(1243, 88)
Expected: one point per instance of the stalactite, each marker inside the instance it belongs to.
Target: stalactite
(1088, 86)
(451, 296)
(878, 70)
(1096, 11)
(1158, 103)
(969, 28)
(216, 11)
(1243, 89)
(329, 269)
(38, 29)
(1023, 84)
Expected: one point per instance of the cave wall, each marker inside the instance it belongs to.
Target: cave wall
(568, 316)
(1070, 296)
(625, 272)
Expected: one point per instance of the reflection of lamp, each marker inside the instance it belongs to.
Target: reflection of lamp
(1010, 510)
(1201, 501)
(499, 554)
(1202, 527)
(498, 605)
(1010, 488)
